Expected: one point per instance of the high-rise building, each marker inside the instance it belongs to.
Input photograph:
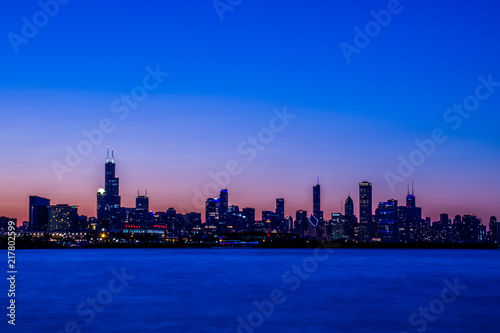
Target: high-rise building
(63, 218)
(39, 213)
(110, 197)
(494, 230)
(249, 214)
(317, 202)
(386, 217)
(302, 223)
(142, 210)
(212, 211)
(365, 211)
(349, 219)
(223, 205)
(349, 207)
(280, 210)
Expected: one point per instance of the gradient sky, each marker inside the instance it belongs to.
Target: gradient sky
(226, 77)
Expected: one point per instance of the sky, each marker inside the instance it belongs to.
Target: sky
(356, 102)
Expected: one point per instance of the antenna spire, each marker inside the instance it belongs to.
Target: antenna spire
(412, 187)
(112, 156)
(318, 180)
(107, 156)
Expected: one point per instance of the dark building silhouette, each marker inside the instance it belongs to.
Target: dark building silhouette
(39, 213)
(108, 200)
(249, 214)
(365, 211)
(4, 223)
(142, 210)
(350, 220)
(386, 216)
(223, 205)
(302, 223)
(212, 211)
(280, 210)
(494, 232)
(317, 201)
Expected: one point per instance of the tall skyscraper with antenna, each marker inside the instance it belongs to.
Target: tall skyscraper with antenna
(108, 199)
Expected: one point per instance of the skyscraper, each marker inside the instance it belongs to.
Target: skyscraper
(212, 211)
(280, 210)
(349, 207)
(386, 217)
(365, 211)
(317, 202)
(494, 230)
(39, 213)
(350, 219)
(223, 205)
(110, 197)
(142, 210)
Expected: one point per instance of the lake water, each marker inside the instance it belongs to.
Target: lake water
(297, 290)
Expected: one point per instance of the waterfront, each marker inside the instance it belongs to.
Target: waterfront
(207, 290)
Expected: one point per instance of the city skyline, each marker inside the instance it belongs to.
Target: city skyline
(314, 205)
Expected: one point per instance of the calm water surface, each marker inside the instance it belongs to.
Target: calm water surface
(214, 290)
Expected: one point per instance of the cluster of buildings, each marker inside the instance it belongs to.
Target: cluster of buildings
(390, 222)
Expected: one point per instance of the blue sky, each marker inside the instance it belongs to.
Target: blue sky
(353, 119)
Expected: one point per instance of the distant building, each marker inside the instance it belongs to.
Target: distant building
(280, 210)
(142, 217)
(494, 232)
(386, 217)
(109, 200)
(249, 213)
(223, 205)
(212, 211)
(365, 211)
(39, 213)
(349, 219)
(317, 201)
(63, 218)
(4, 224)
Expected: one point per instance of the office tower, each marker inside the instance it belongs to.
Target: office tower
(249, 214)
(212, 211)
(302, 223)
(223, 205)
(110, 197)
(280, 210)
(365, 211)
(349, 207)
(39, 213)
(386, 217)
(142, 210)
(317, 202)
(494, 230)
(63, 218)
(349, 218)
(336, 228)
